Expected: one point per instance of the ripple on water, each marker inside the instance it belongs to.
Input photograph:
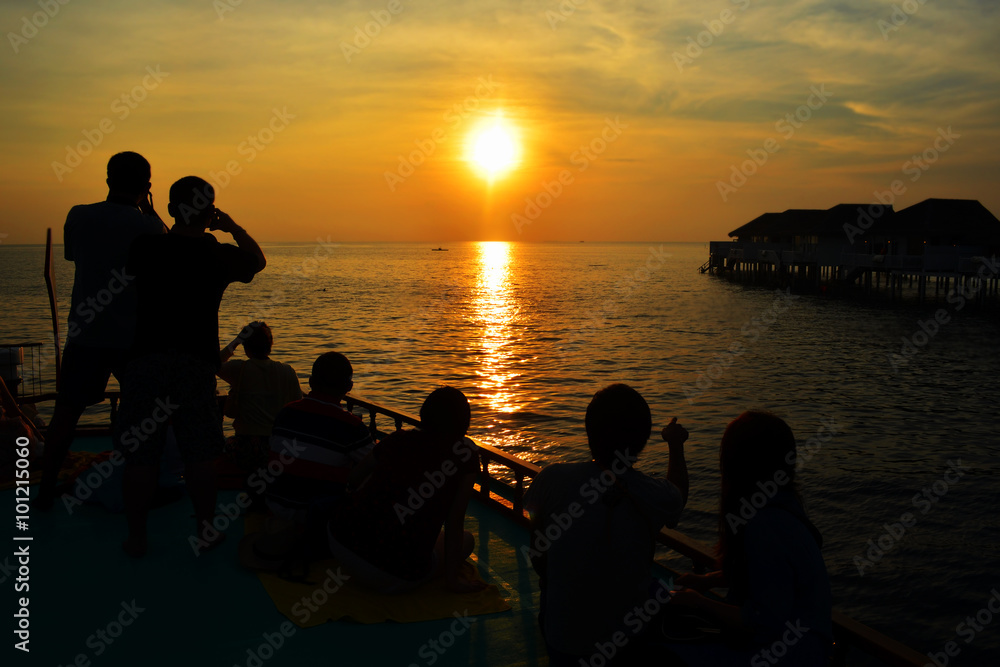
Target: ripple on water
(531, 332)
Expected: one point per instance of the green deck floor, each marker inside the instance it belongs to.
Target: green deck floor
(207, 610)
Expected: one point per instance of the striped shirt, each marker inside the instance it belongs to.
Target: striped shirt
(314, 445)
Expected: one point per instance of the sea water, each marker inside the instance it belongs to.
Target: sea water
(530, 331)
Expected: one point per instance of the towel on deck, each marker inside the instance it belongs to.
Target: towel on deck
(334, 596)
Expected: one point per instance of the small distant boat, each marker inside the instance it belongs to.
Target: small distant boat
(439, 249)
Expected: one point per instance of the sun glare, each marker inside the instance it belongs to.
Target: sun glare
(493, 148)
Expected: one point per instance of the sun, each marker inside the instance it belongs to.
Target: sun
(493, 149)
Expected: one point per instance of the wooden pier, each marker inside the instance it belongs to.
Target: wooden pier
(940, 248)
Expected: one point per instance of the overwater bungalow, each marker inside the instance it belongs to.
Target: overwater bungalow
(944, 243)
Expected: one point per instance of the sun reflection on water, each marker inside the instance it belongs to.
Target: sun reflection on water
(495, 310)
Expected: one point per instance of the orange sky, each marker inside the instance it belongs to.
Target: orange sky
(641, 110)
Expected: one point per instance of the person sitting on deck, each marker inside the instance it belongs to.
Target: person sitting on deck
(595, 524)
(316, 444)
(389, 535)
(259, 387)
(779, 593)
(180, 279)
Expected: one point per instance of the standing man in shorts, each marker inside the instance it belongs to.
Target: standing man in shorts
(180, 278)
(102, 311)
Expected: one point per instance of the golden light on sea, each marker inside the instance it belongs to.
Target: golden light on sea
(495, 309)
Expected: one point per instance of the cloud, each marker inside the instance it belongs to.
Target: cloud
(558, 79)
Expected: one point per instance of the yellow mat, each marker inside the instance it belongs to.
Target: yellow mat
(328, 594)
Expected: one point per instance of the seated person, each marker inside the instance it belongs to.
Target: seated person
(770, 558)
(389, 536)
(259, 388)
(595, 524)
(316, 442)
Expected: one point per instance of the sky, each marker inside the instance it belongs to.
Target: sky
(635, 121)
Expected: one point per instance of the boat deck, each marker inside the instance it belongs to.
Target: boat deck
(208, 610)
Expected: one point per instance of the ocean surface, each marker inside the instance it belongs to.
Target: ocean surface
(530, 331)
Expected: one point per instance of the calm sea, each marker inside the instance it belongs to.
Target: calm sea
(530, 331)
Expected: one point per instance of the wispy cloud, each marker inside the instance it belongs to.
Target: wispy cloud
(557, 81)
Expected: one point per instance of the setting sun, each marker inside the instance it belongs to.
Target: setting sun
(493, 148)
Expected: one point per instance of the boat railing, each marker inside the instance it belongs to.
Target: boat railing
(508, 500)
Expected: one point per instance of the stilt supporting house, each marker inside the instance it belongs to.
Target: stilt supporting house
(869, 249)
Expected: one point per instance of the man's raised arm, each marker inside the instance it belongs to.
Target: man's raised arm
(223, 223)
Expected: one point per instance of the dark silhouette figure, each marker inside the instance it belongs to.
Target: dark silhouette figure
(258, 388)
(314, 447)
(779, 595)
(593, 532)
(317, 443)
(389, 536)
(180, 278)
(102, 311)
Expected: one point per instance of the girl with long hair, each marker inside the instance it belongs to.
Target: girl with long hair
(778, 606)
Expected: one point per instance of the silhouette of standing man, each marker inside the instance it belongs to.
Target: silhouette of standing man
(102, 311)
(180, 279)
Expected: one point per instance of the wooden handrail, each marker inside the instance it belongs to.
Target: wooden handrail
(398, 418)
(874, 643)
(509, 501)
